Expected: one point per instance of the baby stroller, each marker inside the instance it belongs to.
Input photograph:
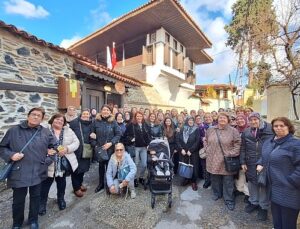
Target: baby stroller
(160, 183)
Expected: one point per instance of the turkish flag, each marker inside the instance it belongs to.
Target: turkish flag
(113, 56)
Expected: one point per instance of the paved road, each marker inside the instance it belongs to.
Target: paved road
(190, 210)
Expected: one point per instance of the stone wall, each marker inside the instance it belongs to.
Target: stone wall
(25, 63)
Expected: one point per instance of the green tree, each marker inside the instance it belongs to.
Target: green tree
(252, 25)
(262, 76)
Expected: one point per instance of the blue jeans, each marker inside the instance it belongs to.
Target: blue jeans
(140, 161)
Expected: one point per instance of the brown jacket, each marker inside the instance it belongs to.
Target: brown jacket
(231, 143)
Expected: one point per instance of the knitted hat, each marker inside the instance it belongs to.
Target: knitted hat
(254, 114)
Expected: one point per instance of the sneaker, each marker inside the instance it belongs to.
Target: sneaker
(167, 173)
(132, 194)
(251, 208)
(262, 214)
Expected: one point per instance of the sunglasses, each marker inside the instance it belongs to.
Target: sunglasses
(119, 150)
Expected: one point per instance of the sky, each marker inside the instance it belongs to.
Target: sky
(62, 22)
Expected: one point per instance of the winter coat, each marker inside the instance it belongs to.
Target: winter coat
(172, 140)
(251, 147)
(283, 170)
(83, 163)
(112, 168)
(141, 135)
(156, 131)
(231, 143)
(192, 145)
(32, 168)
(106, 130)
(70, 141)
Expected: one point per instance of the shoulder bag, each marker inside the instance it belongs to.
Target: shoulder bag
(232, 164)
(7, 167)
(262, 177)
(87, 151)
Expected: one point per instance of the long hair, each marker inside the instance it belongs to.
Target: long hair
(169, 131)
(134, 118)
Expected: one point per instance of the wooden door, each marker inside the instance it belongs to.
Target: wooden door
(94, 99)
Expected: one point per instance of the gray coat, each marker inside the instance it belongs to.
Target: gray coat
(32, 168)
(251, 149)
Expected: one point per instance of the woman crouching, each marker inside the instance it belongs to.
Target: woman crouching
(121, 171)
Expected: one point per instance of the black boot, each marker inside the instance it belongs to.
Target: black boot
(99, 188)
(42, 208)
(136, 183)
(61, 201)
(207, 182)
(142, 181)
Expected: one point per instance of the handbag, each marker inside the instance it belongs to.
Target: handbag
(122, 173)
(101, 155)
(7, 167)
(185, 170)
(232, 164)
(66, 166)
(262, 177)
(87, 151)
(202, 153)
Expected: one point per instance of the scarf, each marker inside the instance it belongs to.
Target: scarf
(57, 164)
(187, 131)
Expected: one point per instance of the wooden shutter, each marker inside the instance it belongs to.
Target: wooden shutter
(145, 56)
(186, 65)
(154, 54)
(167, 55)
(180, 62)
(175, 62)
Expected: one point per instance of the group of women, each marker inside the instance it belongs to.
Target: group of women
(201, 139)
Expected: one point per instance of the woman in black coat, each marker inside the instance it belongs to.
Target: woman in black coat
(82, 127)
(156, 129)
(108, 133)
(169, 132)
(188, 146)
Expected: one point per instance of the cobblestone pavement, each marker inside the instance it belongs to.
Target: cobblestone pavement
(190, 210)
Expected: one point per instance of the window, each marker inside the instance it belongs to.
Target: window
(167, 38)
(175, 44)
(181, 48)
(225, 94)
(152, 37)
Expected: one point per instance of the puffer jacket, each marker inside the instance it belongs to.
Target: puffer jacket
(112, 168)
(70, 141)
(106, 130)
(156, 130)
(283, 170)
(251, 148)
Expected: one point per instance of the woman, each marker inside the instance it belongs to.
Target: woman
(93, 114)
(82, 127)
(160, 117)
(281, 159)
(138, 134)
(170, 133)
(127, 118)
(67, 143)
(180, 123)
(198, 120)
(107, 134)
(208, 122)
(120, 121)
(120, 164)
(241, 183)
(215, 117)
(22, 144)
(147, 113)
(252, 141)
(71, 114)
(188, 148)
(155, 127)
(222, 181)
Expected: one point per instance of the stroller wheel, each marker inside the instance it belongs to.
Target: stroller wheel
(152, 201)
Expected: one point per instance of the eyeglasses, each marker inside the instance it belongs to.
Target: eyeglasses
(35, 115)
(119, 150)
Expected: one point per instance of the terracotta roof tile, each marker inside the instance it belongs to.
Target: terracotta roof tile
(84, 60)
